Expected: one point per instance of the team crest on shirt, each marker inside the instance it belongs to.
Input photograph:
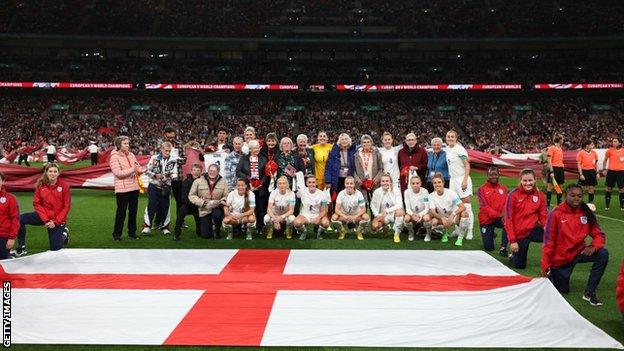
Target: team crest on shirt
(500, 191)
(583, 219)
(535, 198)
(59, 189)
(483, 230)
(2, 200)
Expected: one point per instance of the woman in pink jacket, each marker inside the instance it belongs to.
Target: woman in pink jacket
(125, 169)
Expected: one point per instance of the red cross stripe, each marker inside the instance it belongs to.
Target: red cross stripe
(236, 304)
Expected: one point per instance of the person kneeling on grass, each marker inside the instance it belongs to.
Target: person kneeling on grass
(313, 209)
(567, 227)
(9, 220)
(447, 209)
(239, 209)
(350, 209)
(280, 209)
(387, 207)
(51, 202)
(492, 196)
(525, 215)
(417, 208)
(209, 193)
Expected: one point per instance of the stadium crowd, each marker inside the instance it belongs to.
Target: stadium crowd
(486, 123)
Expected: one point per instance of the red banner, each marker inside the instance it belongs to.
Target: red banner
(579, 86)
(238, 86)
(398, 87)
(65, 85)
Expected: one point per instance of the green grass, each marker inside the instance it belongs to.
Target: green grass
(92, 217)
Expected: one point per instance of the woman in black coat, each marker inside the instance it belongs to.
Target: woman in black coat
(251, 168)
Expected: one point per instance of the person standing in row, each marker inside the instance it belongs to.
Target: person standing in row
(555, 167)
(22, 154)
(288, 162)
(232, 160)
(412, 161)
(368, 167)
(177, 153)
(613, 166)
(9, 219)
(162, 169)
(126, 170)
(321, 154)
(209, 193)
(492, 196)
(306, 154)
(436, 163)
(187, 207)
(459, 170)
(52, 202)
(251, 167)
(587, 162)
(390, 159)
(525, 216)
(567, 227)
(340, 165)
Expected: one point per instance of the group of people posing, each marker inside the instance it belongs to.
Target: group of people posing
(280, 187)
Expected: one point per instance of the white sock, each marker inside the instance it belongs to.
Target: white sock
(470, 219)
(428, 227)
(463, 227)
(398, 225)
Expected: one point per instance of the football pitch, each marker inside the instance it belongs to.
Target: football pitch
(92, 216)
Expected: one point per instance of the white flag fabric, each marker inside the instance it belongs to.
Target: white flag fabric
(368, 298)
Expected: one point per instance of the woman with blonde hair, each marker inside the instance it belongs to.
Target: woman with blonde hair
(281, 209)
(350, 209)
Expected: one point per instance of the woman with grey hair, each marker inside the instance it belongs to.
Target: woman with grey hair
(340, 164)
(306, 154)
(368, 166)
(287, 161)
(436, 163)
(209, 193)
(251, 167)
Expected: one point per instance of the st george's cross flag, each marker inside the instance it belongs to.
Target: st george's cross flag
(369, 298)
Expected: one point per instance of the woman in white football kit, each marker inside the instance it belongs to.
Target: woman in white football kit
(417, 208)
(390, 159)
(280, 209)
(447, 209)
(313, 209)
(350, 209)
(459, 170)
(387, 207)
(239, 209)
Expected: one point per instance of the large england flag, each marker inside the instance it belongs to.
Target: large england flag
(372, 298)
